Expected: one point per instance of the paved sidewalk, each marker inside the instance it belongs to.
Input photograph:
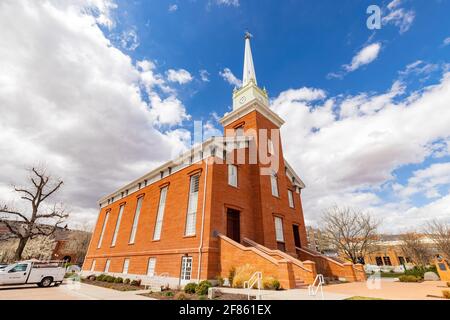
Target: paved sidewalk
(292, 294)
(390, 289)
(67, 291)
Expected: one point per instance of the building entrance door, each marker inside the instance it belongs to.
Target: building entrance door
(296, 236)
(233, 225)
(186, 270)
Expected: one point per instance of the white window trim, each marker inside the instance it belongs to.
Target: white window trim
(184, 270)
(274, 185)
(136, 219)
(151, 266)
(232, 179)
(191, 217)
(93, 265)
(116, 230)
(291, 198)
(160, 214)
(279, 230)
(105, 222)
(107, 264)
(126, 266)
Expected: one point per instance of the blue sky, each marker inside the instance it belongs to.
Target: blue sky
(116, 86)
(296, 43)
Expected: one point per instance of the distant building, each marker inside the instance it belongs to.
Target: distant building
(64, 244)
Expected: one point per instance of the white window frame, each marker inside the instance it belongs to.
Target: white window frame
(291, 198)
(151, 265)
(105, 222)
(186, 268)
(126, 266)
(191, 216)
(107, 264)
(274, 184)
(233, 175)
(93, 265)
(160, 214)
(279, 230)
(116, 230)
(136, 219)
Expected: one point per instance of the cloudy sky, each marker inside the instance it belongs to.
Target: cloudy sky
(102, 91)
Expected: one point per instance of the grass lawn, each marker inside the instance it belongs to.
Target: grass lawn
(363, 298)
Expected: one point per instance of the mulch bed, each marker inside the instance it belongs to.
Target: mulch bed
(115, 286)
(175, 295)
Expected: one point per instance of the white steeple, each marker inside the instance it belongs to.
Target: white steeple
(249, 69)
(249, 92)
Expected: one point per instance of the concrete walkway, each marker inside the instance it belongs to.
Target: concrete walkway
(390, 289)
(292, 294)
(68, 291)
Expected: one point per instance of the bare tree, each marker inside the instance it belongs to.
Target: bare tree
(351, 231)
(439, 232)
(413, 246)
(37, 222)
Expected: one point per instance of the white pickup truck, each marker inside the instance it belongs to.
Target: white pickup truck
(33, 272)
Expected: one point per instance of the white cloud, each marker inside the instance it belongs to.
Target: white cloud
(399, 17)
(446, 41)
(365, 56)
(181, 76)
(173, 8)
(346, 148)
(427, 181)
(204, 75)
(234, 3)
(229, 77)
(169, 111)
(129, 40)
(72, 101)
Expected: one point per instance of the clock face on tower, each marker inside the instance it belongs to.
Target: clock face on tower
(242, 100)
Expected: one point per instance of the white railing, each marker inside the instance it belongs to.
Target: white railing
(318, 283)
(256, 278)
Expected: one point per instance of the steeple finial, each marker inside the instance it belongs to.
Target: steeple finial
(249, 69)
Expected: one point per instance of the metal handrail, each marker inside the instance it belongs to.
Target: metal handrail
(313, 288)
(255, 278)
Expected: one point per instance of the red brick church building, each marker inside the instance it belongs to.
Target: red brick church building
(230, 201)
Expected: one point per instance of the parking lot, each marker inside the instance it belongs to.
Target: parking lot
(66, 291)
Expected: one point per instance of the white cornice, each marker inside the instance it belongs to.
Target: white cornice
(254, 105)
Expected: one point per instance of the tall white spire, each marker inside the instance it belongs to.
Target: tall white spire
(249, 70)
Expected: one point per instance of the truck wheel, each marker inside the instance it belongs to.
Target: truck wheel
(46, 282)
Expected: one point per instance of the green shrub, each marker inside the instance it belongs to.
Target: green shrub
(419, 271)
(408, 278)
(190, 287)
(446, 294)
(220, 281)
(100, 277)
(110, 279)
(231, 275)
(169, 294)
(202, 298)
(126, 281)
(118, 280)
(203, 287)
(136, 283)
(181, 296)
